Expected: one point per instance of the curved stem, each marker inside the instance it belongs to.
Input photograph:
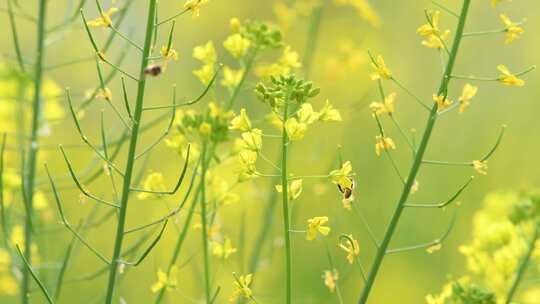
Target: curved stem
(381, 252)
(113, 270)
(30, 175)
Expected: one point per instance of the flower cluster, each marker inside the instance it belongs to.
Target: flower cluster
(502, 232)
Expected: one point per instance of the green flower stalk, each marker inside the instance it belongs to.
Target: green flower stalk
(31, 159)
(285, 202)
(419, 155)
(113, 269)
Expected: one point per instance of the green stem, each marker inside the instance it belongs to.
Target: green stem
(204, 226)
(313, 35)
(285, 200)
(15, 36)
(113, 270)
(381, 252)
(247, 68)
(30, 175)
(523, 264)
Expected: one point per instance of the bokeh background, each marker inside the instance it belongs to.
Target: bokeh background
(404, 278)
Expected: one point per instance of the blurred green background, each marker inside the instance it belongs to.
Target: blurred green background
(404, 278)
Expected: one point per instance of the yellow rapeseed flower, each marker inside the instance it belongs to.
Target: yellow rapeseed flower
(434, 248)
(8, 285)
(205, 73)
(436, 41)
(383, 143)
(169, 53)
(330, 279)
(294, 189)
(153, 182)
(205, 53)
(513, 30)
(306, 114)
(508, 78)
(104, 20)
(315, 226)
(195, 6)
(432, 27)
(241, 122)
(387, 106)
(247, 160)
(205, 129)
(480, 166)
(442, 102)
(231, 78)
(223, 251)
(242, 289)
(252, 140)
(295, 130)
(288, 61)
(469, 91)
(351, 247)
(341, 176)
(235, 25)
(105, 94)
(328, 113)
(166, 281)
(237, 45)
(381, 70)
(5, 260)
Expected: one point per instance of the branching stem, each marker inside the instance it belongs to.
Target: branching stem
(381, 252)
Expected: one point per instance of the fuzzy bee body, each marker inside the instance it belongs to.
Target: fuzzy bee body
(153, 70)
(347, 192)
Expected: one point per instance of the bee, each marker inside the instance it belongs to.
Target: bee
(153, 70)
(347, 192)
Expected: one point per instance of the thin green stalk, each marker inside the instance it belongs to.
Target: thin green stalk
(204, 227)
(285, 201)
(3, 217)
(523, 264)
(268, 214)
(249, 64)
(30, 175)
(34, 276)
(313, 35)
(15, 36)
(113, 270)
(381, 252)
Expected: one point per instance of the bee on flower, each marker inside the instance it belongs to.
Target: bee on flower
(343, 179)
